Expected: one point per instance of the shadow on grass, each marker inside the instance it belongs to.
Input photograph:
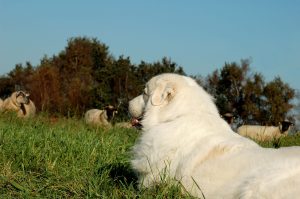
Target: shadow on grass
(120, 174)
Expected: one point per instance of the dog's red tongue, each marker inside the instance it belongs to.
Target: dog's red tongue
(135, 122)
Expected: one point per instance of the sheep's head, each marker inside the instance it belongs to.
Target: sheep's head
(285, 126)
(110, 111)
(21, 97)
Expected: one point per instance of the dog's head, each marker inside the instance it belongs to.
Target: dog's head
(165, 97)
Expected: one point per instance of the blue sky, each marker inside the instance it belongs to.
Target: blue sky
(198, 35)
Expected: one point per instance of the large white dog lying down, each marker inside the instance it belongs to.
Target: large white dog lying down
(185, 139)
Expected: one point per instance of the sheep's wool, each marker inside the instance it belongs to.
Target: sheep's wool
(20, 103)
(261, 133)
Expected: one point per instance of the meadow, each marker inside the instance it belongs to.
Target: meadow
(64, 158)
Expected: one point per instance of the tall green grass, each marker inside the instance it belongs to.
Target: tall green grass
(64, 158)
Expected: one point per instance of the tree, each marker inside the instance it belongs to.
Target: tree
(278, 100)
(252, 103)
(248, 96)
(227, 86)
(81, 66)
(7, 86)
(20, 76)
(147, 70)
(46, 89)
(297, 110)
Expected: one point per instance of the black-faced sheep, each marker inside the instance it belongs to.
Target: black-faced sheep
(99, 117)
(20, 103)
(265, 133)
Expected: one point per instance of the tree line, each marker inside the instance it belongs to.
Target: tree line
(85, 75)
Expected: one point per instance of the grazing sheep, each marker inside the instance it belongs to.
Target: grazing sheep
(265, 133)
(123, 125)
(27, 110)
(20, 103)
(100, 117)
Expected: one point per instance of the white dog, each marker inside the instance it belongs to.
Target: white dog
(184, 138)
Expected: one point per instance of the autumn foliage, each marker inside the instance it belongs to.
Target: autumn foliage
(85, 75)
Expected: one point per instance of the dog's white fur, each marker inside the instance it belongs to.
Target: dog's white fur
(184, 138)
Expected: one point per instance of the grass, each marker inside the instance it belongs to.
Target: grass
(291, 140)
(64, 158)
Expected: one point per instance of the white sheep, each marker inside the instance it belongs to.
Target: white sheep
(123, 125)
(1, 104)
(265, 133)
(20, 103)
(99, 117)
(27, 110)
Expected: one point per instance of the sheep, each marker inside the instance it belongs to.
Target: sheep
(27, 110)
(134, 123)
(98, 117)
(1, 103)
(123, 125)
(20, 103)
(265, 133)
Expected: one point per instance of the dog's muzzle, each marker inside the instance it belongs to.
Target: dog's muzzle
(136, 122)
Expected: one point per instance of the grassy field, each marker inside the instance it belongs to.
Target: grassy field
(64, 158)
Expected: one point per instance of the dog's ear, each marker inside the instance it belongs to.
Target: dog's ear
(163, 92)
